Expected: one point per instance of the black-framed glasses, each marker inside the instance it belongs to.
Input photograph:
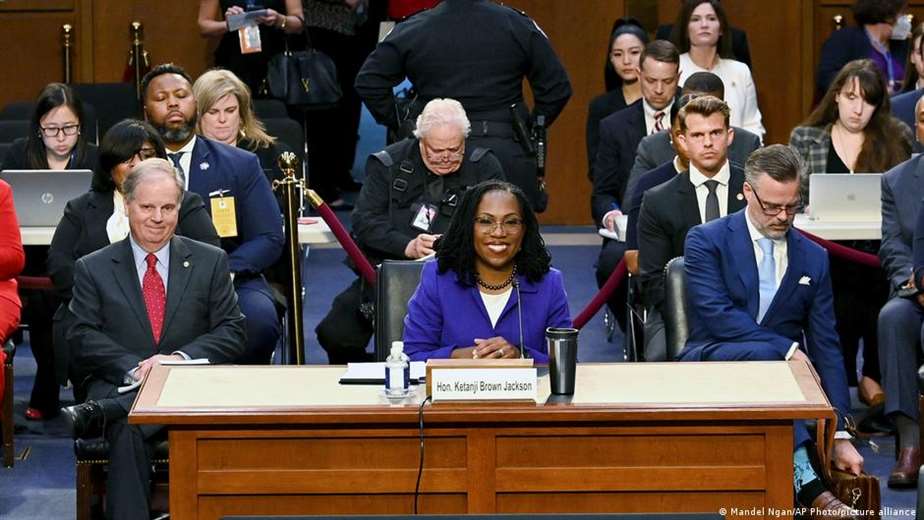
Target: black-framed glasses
(141, 155)
(772, 210)
(53, 131)
(509, 225)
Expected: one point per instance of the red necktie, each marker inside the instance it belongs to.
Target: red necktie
(155, 296)
(658, 126)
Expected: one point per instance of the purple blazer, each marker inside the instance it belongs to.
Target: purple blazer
(444, 315)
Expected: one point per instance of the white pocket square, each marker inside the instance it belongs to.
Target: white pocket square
(805, 280)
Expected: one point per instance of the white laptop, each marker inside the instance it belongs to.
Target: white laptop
(40, 195)
(845, 197)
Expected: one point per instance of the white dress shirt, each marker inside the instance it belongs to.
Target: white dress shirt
(721, 191)
(186, 158)
(650, 117)
(117, 224)
(740, 93)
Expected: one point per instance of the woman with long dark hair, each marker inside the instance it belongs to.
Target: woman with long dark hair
(57, 140)
(620, 73)
(703, 37)
(491, 292)
(852, 130)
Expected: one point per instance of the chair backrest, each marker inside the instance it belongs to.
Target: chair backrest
(12, 130)
(676, 319)
(269, 108)
(288, 131)
(113, 102)
(4, 149)
(18, 110)
(397, 281)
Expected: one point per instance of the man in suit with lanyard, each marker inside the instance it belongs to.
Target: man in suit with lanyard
(760, 290)
(239, 199)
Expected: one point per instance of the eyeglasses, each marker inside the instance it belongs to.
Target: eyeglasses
(772, 210)
(53, 131)
(446, 154)
(140, 155)
(509, 225)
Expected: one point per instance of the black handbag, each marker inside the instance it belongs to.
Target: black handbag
(305, 78)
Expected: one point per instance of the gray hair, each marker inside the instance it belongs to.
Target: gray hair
(146, 169)
(781, 162)
(917, 106)
(440, 112)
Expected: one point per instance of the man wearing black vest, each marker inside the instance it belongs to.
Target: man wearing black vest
(411, 190)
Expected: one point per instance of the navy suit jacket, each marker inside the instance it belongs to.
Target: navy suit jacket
(620, 134)
(722, 288)
(902, 191)
(903, 106)
(217, 167)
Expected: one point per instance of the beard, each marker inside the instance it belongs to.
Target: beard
(179, 134)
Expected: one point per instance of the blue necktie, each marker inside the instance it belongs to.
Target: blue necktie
(175, 158)
(766, 272)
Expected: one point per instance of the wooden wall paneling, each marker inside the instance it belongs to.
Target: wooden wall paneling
(170, 34)
(579, 32)
(32, 57)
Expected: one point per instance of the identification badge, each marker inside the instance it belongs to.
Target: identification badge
(249, 36)
(425, 215)
(224, 217)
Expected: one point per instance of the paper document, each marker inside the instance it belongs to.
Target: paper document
(172, 362)
(128, 388)
(236, 21)
(622, 223)
(374, 373)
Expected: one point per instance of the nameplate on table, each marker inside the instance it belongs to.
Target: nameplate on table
(482, 380)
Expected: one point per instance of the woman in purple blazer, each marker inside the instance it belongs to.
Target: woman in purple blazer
(491, 292)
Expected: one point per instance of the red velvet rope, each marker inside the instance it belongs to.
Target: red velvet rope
(612, 283)
(847, 253)
(346, 241)
(619, 274)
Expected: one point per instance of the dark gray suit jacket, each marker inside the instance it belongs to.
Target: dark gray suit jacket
(902, 191)
(655, 150)
(668, 212)
(111, 333)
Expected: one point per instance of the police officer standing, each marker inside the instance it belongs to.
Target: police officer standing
(411, 190)
(477, 52)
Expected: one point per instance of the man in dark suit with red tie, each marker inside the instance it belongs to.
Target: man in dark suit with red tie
(150, 298)
(620, 133)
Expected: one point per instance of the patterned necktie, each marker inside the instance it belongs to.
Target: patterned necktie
(766, 273)
(155, 296)
(175, 157)
(658, 117)
(712, 200)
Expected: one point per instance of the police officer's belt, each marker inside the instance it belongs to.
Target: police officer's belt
(491, 129)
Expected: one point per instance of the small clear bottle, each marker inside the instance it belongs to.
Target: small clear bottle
(397, 372)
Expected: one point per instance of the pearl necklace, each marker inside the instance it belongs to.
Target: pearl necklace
(500, 286)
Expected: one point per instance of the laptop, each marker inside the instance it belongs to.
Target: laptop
(40, 195)
(845, 197)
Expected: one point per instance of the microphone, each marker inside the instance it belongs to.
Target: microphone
(516, 287)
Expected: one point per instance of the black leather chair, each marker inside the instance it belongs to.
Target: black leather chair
(13, 129)
(6, 408)
(270, 108)
(290, 133)
(113, 101)
(676, 319)
(92, 457)
(21, 110)
(397, 281)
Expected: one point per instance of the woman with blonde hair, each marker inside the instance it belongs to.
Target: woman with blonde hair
(225, 110)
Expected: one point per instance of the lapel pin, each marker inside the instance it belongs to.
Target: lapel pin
(805, 280)
(203, 165)
(739, 196)
(186, 264)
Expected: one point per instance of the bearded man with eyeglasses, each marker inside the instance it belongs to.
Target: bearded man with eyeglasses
(411, 191)
(759, 291)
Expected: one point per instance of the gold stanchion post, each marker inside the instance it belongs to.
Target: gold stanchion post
(291, 186)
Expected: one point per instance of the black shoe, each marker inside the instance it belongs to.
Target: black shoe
(85, 419)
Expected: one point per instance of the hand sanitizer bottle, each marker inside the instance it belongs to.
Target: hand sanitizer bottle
(397, 372)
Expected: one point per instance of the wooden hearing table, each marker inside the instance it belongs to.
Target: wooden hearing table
(635, 437)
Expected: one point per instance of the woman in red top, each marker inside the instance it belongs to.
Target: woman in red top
(12, 259)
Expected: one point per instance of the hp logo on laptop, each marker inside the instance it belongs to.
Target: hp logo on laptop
(47, 198)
